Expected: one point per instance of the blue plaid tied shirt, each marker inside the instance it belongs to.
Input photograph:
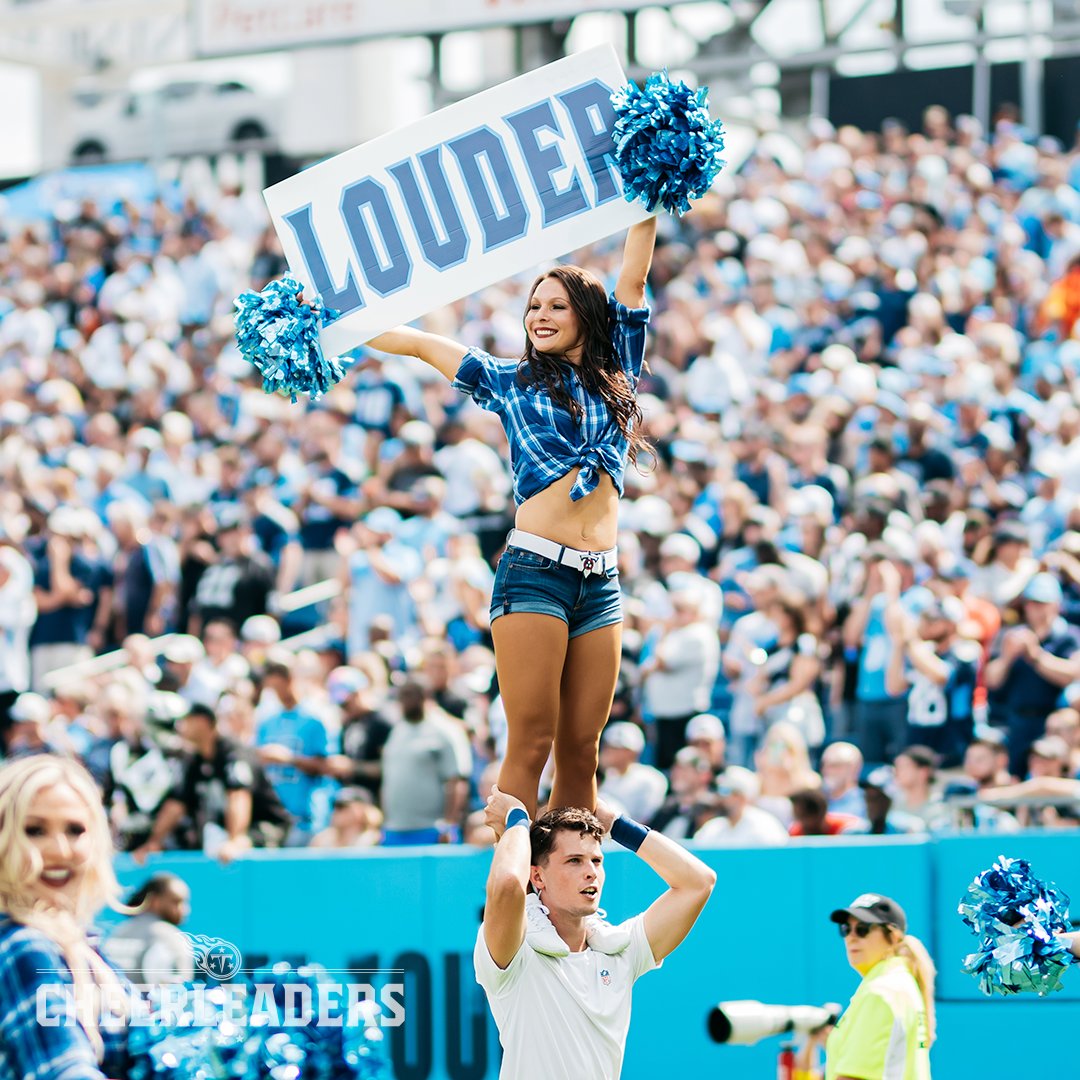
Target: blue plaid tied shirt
(545, 440)
(31, 963)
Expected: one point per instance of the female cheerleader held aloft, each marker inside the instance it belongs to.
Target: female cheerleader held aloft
(570, 412)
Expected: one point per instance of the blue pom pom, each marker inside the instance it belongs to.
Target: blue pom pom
(280, 336)
(667, 148)
(1018, 920)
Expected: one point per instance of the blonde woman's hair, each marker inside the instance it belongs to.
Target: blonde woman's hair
(798, 773)
(917, 957)
(20, 864)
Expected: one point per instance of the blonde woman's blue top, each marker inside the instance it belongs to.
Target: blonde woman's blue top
(33, 976)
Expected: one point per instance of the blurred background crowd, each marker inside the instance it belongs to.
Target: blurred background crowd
(851, 567)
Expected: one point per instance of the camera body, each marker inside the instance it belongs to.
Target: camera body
(744, 1023)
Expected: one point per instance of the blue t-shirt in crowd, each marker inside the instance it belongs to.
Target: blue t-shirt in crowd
(874, 658)
(1024, 689)
(932, 704)
(306, 736)
(69, 625)
(274, 529)
(377, 399)
(135, 587)
(428, 533)
(149, 488)
(877, 646)
(370, 595)
(707, 507)
(757, 480)
(318, 524)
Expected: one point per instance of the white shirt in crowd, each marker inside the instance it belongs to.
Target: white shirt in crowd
(639, 791)
(449, 576)
(472, 470)
(691, 657)
(747, 634)
(208, 681)
(34, 329)
(564, 1017)
(756, 828)
(18, 610)
(999, 584)
(657, 597)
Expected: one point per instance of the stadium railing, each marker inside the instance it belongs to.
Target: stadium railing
(309, 595)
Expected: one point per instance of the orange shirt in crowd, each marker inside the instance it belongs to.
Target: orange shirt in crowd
(1062, 304)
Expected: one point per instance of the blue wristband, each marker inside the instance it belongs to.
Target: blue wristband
(517, 816)
(629, 833)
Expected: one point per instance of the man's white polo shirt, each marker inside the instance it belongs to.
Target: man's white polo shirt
(563, 1017)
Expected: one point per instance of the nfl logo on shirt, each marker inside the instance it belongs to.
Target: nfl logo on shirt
(605, 977)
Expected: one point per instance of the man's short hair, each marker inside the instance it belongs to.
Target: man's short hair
(156, 885)
(278, 667)
(811, 801)
(205, 712)
(922, 756)
(546, 828)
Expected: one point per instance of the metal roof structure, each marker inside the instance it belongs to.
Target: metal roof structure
(87, 36)
(798, 48)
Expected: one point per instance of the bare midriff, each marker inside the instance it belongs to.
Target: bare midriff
(590, 524)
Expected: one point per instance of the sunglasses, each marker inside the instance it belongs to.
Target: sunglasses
(859, 929)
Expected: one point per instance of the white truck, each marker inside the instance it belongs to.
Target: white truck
(193, 116)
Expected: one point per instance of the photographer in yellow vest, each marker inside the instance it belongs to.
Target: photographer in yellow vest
(886, 1031)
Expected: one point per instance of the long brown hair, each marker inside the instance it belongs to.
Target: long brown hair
(599, 371)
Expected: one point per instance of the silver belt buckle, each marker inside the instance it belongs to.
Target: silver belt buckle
(589, 560)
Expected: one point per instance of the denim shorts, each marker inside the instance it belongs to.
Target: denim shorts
(527, 582)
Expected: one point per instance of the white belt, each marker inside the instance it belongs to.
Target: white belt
(588, 562)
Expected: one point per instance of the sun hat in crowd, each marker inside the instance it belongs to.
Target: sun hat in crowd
(260, 630)
(704, 726)
(383, 520)
(343, 682)
(30, 708)
(1051, 747)
(417, 433)
(735, 780)
(1043, 589)
(184, 649)
(622, 735)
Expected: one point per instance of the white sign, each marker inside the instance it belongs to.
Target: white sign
(232, 26)
(468, 196)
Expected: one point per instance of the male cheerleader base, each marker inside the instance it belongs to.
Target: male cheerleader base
(558, 977)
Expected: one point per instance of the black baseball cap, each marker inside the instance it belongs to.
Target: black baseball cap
(874, 909)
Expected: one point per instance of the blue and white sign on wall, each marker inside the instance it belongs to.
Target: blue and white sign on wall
(468, 196)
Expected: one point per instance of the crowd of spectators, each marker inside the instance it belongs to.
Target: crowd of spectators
(851, 566)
